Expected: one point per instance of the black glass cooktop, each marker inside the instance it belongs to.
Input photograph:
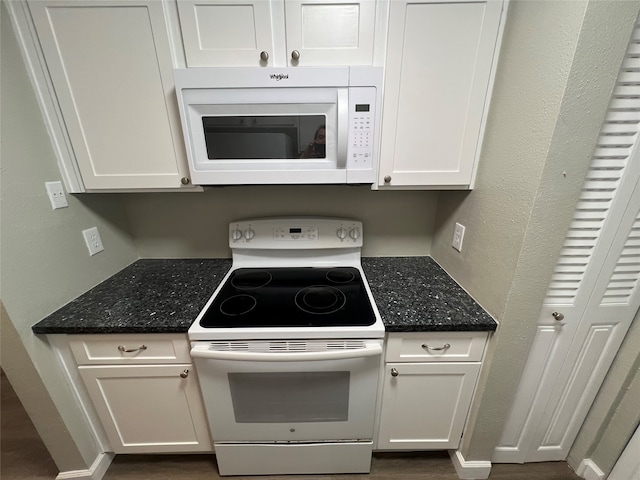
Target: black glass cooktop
(291, 297)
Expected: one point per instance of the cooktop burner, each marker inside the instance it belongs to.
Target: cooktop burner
(291, 297)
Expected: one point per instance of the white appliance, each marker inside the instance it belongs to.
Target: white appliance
(303, 125)
(288, 350)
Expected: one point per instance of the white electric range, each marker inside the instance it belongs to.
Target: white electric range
(288, 350)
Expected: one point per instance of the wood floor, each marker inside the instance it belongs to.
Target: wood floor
(23, 456)
(385, 466)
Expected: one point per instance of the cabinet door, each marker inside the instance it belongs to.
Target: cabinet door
(111, 68)
(149, 408)
(438, 69)
(425, 405)
(334, 32)
(226, 33)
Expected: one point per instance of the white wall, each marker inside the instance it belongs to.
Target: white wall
(195, 225)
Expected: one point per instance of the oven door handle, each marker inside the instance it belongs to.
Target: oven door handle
(202, 351)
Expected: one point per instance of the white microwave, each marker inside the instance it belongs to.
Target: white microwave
(281, 125)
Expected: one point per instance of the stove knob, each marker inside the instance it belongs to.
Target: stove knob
(354, 233)
(341, 233)
(249, 234)
(236, 234)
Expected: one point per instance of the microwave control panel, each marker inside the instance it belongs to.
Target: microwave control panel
(362, 115)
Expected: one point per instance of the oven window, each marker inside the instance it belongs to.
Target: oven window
(279, 397)
(265, 137)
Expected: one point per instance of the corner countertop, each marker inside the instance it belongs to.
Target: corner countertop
(416, 294)
(165, 296)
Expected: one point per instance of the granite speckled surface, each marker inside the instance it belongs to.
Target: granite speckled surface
(148, 296)
(416, 294)
(165, 296)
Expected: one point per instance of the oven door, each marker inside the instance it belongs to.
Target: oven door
(289, 391)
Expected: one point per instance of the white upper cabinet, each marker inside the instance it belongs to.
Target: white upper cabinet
(441, 57)
(279, 33)
(330, 32)
(111, 68)
(220, 32)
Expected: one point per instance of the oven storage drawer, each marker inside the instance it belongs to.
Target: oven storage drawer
(294, 459)
(129, 349)
(436, 347)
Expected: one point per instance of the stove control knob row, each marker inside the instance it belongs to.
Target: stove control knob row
(237, 234)
(342, 233)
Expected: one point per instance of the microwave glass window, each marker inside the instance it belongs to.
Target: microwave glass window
(290, 397)
(265, 137)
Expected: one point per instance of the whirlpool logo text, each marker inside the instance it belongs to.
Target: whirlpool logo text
(279, 76)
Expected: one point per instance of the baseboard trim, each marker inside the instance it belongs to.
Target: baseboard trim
(589, 470)
(95, 472)
(469, 470)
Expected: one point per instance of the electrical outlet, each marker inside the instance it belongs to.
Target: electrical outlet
(458, 236)
(93, 241)
(56, 195)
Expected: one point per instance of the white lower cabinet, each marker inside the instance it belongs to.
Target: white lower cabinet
(427, 394)
(147, 397)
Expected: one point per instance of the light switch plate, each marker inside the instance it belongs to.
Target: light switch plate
(93, 240)
(458, 236)
(56, 195)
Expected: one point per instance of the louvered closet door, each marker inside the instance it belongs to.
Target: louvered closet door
(594, 290)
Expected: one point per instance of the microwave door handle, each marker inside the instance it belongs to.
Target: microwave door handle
(343, 128)
(202, 351)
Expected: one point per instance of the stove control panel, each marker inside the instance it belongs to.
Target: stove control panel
(295, 233)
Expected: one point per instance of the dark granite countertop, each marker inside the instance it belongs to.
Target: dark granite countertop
(148, 296)
(165, 296)
(416, 294)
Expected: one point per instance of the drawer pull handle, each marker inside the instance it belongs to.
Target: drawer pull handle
(122, 348)
(185, 373)
(394, 372)
(427, 347)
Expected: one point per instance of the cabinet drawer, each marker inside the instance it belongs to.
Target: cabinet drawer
(436, 347)
(129, 349)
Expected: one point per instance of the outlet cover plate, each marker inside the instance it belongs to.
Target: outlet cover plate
(93, 240)
(458, 236)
